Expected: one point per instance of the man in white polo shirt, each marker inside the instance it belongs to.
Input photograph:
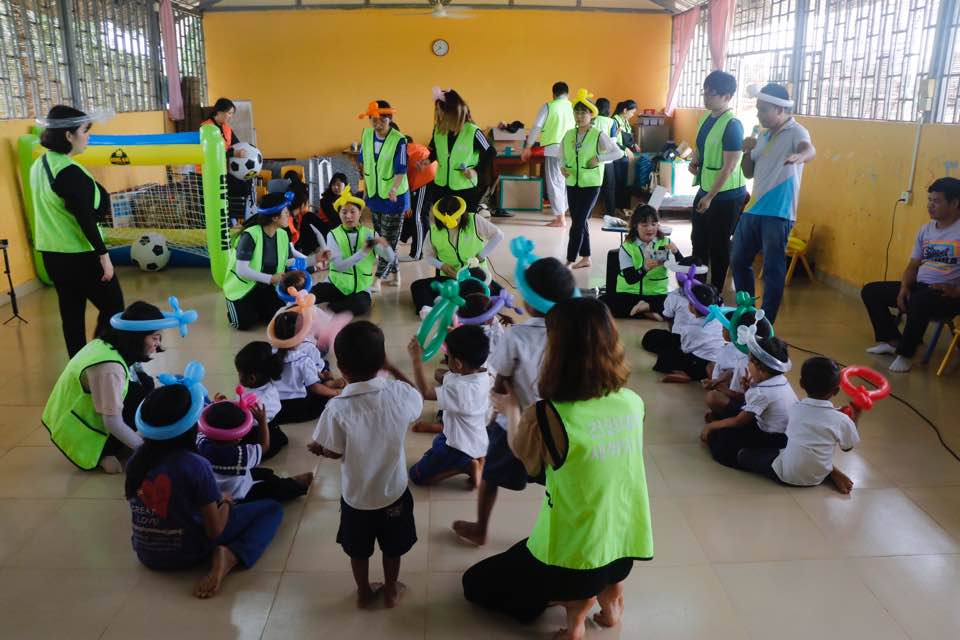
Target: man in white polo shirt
(775, 161)
(553, 120)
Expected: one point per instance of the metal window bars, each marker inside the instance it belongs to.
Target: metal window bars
(90, 53)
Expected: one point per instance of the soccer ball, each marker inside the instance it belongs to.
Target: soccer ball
(247, 167)
(150, 252)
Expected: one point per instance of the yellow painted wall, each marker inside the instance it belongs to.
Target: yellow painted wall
(13, 224)
(850, 189)
(309, 73)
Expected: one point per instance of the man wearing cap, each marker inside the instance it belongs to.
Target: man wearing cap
(774, 159)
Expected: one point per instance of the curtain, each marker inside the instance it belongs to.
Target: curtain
(719, 26)
(684, 26)
(168, 34)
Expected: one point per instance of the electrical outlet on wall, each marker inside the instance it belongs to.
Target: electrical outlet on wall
(905, 197)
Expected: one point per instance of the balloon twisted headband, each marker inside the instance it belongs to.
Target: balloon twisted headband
(755, 91)
(439, 95)
(440, 318)
(270, 211)
(499, 301)
(522, 249)
(375, 111)
(245, 401)
(171, 319)
(304, 302)
(747, 335)
(583, 97)
(347, 197)
(860, 396)
(299, 264)
(192, 379)
(449, 220)
(686, 278)
(99, 114)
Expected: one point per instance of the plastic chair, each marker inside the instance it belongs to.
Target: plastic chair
(298, 169)
(797, 246)
(950, 349)
(954, 330)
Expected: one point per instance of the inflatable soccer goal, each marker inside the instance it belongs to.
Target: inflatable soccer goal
(171, 185)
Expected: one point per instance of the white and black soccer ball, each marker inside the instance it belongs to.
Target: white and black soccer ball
(150, 252)
(247, 167)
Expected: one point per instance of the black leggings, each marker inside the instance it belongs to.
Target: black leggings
(416, 226)
(423, 294)
(759, 461)
(270, 486)
(670, 357)
(76, 277)
(725, 444)
(710, 236)
(621, 304)
(581, 201)
(302, 409)
(356, 303)
(621, 169)
(608, 190)
(257, 307)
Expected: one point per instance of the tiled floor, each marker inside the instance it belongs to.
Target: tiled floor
(736, 556)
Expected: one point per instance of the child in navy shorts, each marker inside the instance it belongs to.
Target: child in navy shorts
(365, 427)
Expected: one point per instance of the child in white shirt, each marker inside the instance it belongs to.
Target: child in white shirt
(365, 426)
(814, 431)
(725, 388)
(258, 369)
(762, 422)
(699, 344)
(464, 398)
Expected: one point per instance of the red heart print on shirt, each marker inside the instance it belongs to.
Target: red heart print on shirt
(155, 494)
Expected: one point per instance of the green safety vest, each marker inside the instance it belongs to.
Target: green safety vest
(596, 508)
(359, 277)
(655, 282)
(559, 121)
(235, 287)
(468, 244)
(576, 159)
(74, 425)
(604, 123)
(622, 125)
(55, 227)
(378, 170)
(711, 157)
(449, 160)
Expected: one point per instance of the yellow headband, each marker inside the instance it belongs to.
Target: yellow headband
(583, 97)
(450, 220)
(374, 111)
(347, 198)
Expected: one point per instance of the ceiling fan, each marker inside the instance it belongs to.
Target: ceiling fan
(441, 9)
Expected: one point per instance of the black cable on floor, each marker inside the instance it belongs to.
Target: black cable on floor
(936, 430)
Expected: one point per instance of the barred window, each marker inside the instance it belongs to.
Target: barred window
(190, 56)
(761, 46)
(865, 58)
(950, 82)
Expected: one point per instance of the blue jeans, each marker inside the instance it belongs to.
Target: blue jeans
(767, 234)
(250, 528)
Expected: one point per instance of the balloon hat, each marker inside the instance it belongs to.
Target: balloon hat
(375, 111)
(449, 220)
(440, 318)
(499, 301)
(747, 335)
(192, 379)
(860, 396)
(522, 249)
(97, 114)
(686, 278)
(274, 210)
(305, 307)
(755, 91)
(299, 264)
(583, 97)
(347, 197)
(245, 401)
(173, 318)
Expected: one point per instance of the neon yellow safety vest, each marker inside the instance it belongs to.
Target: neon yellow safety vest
(359, 277)
(712, 157)
(378, 172)
(604, 123)
(576, 159)
(622, 125)
(55, 227)
(596, 508)
(449, 161)
(655, 282)
(559, 121)
(467, 245)
(74, 425)
(235, 287)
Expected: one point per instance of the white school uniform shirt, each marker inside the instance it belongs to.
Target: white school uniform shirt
(703, 341)
(268, 396)
(367, 423)
(676, 306)
(815, 429)
(301, 368)
(770, 401)
(518, 356)
(731, 359)
(465, 402)
(494, 331)
(237, 486)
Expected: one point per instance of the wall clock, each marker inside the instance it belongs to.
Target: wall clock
(440, 47)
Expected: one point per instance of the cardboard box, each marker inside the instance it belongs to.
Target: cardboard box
(676, 178)
(521, 193)
(501, 135)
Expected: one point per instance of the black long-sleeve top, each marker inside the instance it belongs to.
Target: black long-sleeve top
(76, 189)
